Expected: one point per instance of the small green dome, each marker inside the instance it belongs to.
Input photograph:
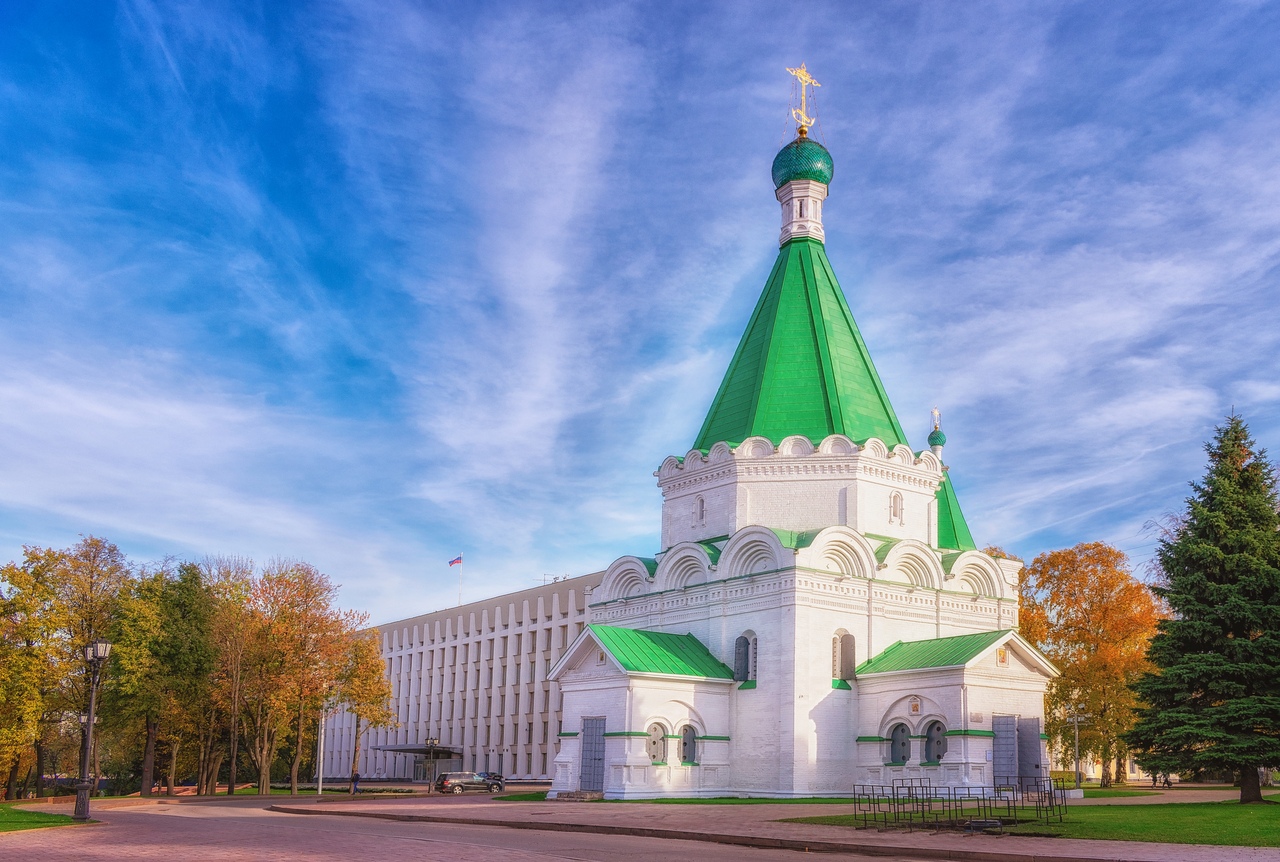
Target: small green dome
(937, 438)
(802, 159)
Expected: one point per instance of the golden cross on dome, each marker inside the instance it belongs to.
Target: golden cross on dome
(801, 113)
(937, 419)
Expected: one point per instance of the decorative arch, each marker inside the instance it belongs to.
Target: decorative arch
(875, 448)
(795, 446)
(837, 444)
(720, 452)
(977, 573)
(841, 550)
(915, 563)
(903, 455)
(670, 466)
(751, 550)
(929, 461)
(683, 566)
(755, 447)
(626, 577)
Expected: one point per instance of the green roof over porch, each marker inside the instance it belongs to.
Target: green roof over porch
(936, 653)
(640, 651)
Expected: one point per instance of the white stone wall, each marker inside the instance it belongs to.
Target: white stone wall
(475, 677)
(797, 486)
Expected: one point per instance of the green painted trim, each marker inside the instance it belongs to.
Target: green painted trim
(673, 736)
(841, 685)
(1044, 736)
(688, 763)
(984, 733)
(751, 683)
(871, 739)
(658, 763)
(567, 733)
(715, 738)
(895, 763)
(626, 733)
(931, 763)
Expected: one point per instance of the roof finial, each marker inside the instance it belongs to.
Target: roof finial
(936, 438)
(801, 114)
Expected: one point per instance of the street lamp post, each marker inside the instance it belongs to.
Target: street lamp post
(432, 742)
(96, 655)
(1075, 721)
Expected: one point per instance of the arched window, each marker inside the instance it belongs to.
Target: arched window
(742, 658)
(899, 744)
(895, 508)
(843, 661)
(656, 744)
(688, 744)
(700, 509)
(935, 742)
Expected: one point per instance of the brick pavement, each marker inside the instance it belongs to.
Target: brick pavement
(761, 822)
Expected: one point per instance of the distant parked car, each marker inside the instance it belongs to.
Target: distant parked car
(461, 782)
(494, 778)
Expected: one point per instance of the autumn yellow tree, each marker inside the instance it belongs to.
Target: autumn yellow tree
(363, 688)
(1084, 609)
(30, 660)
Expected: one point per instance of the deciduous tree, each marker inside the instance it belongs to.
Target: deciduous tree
(363, 688)
(1091, 617)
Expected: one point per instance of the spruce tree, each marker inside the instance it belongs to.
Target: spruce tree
(1213, 702)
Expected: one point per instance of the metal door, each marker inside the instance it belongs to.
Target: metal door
(1004, 749)
(591, 778)
(1030, 749)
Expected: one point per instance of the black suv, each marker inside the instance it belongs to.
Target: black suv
(494, 778)
(461, 782)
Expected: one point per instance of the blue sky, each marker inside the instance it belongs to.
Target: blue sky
(374, 284)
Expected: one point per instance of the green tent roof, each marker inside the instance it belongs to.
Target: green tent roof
(802, 366)
(936, 653)
(641, 651)
(953, 530)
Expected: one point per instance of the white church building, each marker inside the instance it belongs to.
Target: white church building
(818, 616)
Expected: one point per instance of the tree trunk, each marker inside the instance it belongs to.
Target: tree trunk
(1122, 771)
(173, 766)
(39, 767)
(11, 784)
(297, 749)
(355, 756)
(97, 767)
(149, 757)
(1250, 786)
(235, 740)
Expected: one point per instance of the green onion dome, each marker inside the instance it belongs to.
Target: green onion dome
(937, 438)
(802, 159)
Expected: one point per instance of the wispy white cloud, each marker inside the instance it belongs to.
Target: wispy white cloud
(376, 284)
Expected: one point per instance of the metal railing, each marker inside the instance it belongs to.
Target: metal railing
(914, 803)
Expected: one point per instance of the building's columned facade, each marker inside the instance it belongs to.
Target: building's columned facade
(475, 678)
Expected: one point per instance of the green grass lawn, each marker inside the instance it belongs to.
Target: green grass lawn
(11, 819)
(1228, 823)
(738, 800)
(539, 796)
(1114, 793)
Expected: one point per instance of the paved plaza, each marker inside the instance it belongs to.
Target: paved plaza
(476, 827)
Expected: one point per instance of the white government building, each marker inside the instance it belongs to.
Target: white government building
(819, 615)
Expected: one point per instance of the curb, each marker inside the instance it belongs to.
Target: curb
(720, 838)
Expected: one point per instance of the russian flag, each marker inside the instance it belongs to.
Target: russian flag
(456, 561)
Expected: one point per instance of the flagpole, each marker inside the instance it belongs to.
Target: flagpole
(459, 580)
